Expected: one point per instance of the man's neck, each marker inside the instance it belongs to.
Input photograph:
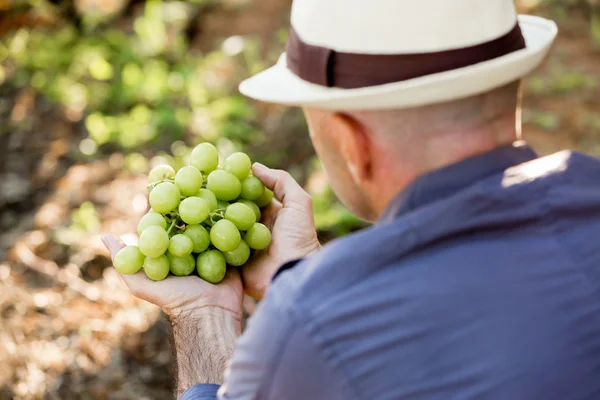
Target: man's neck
(438, 151)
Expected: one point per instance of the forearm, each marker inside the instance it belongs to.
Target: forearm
(202, 342)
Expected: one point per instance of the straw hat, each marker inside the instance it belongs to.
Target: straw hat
(356, 54)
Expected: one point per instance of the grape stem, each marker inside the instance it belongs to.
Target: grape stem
(219, 213)
(173, 223)
(153, 184)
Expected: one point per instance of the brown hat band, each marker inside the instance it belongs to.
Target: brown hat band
(326, 67)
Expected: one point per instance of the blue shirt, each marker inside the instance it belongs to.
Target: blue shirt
(480, 281)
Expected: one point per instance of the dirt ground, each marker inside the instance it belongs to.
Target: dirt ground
(68, 327)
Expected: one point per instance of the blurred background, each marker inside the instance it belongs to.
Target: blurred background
(93, 93)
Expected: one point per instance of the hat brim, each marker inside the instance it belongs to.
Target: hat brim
(279, 85)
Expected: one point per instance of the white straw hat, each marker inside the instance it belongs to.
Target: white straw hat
(353, 54)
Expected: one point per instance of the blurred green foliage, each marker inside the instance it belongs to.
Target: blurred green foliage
(562, 82)
(136, 85)
(85, 219)
(133, 86)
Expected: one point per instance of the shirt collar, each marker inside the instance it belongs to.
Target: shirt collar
(448, 180)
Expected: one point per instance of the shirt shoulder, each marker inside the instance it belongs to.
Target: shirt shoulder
(447, 236)
(342, 262)
(276, 359)
(401, 293)
(570, 165)
(520, 196)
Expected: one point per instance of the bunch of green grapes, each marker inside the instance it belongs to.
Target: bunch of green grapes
(203, 218)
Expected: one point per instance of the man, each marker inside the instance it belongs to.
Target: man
(480, 278)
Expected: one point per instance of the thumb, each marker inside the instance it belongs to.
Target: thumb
(113, 244)
(285, 187)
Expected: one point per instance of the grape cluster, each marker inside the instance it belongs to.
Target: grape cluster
(203, 218)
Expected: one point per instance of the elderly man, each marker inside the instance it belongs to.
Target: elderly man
(480, 278)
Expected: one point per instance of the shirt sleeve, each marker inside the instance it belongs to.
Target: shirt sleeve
(276, 359)
(201, 392)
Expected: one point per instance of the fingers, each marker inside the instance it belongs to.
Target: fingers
(231, 277)
(286, 189)
(256, 275)
(269, 214)
(113, 244)
(134, 281)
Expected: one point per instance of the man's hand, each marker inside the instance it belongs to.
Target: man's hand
(292, 227)
(183, 295)
(205, 319)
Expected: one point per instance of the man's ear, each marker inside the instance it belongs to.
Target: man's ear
(354, 144)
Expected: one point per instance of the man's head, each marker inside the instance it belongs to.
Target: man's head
(370, 156)
(443, 70)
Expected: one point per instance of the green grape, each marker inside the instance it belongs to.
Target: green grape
(224, 185)
(205, 158)
(153, 241)
(238, 164)
(211, 266)
(161, 172)
(239, 256)
(129, 260)
(199, 236)
(151, 219)
(193, 210)
(180, 245)
(224, 235)
(189, 180)
(165, 197)
(157, 268)
(253, 206)
(252, 188)
(258, 237)
(241, 215)
(209, 197)
(264, 199)
(181, 266)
